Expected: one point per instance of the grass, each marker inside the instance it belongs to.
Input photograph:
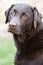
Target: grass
(7, 51)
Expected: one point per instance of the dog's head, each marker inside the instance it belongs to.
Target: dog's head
(22, 18)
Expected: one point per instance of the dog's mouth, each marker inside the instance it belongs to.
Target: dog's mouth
(11, 29)
(16, 30)
(21, 37)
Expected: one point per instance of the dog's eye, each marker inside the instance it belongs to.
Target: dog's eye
(13, 13)
(25, 16)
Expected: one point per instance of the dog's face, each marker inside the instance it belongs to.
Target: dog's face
(21, 18)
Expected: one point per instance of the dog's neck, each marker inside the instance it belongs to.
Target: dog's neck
(21, 38)
(29, 47)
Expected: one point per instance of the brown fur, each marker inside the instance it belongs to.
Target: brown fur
(28, 34)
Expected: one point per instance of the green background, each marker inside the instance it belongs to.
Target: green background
(7, 51)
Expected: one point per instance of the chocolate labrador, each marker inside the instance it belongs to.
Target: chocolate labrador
(25, 23)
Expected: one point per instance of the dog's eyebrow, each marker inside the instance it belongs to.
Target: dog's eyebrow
(25, 13)
(14, 10)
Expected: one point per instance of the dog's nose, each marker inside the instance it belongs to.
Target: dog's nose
(12, 26)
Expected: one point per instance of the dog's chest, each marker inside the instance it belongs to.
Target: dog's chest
(32, 52)
(30, 59)
(37, 61)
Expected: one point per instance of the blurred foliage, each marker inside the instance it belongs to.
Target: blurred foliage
(7, 51)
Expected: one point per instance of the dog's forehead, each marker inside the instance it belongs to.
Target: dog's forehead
(22, 8)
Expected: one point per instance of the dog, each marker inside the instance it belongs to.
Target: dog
(25, 23)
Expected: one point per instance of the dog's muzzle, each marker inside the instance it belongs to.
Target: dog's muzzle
(12, 28)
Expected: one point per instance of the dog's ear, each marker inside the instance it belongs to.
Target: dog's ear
(7, 13)
(37, 18)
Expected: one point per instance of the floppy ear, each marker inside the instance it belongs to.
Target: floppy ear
(7, 13)
(37, 18)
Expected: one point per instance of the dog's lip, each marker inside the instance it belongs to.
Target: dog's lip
(11, 29)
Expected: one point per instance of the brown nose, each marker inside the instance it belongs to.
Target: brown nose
(12, 26)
